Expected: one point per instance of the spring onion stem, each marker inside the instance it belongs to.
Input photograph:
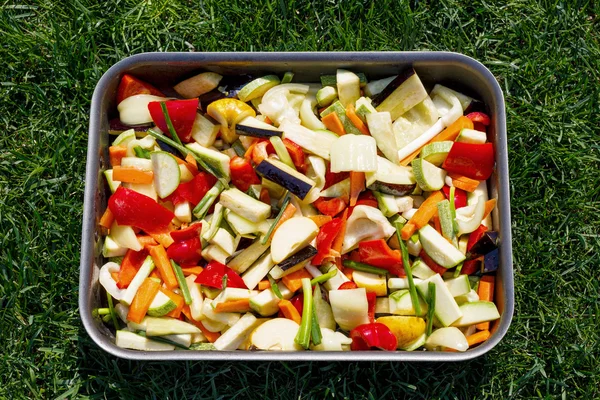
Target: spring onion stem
(358, 266)
(407, 268)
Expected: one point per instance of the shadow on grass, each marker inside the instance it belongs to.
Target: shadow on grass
(104, 375)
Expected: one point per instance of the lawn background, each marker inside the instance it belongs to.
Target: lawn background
(546, 56)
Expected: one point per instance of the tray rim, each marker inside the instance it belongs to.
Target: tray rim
(92, 173)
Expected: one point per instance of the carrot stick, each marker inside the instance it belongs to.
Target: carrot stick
(142, 300)
(293, 281)
(179, 301)
(320, 220)
(187, 271)
(155, 274)
(115, 276)
(437, 224)
(289, 311)
(339, 239)
(486, 293)
(210, 336)
(288, 213)
(357, 185)
(425, 212)
(489, 206)
(333, 123)
(146, 240)
(264, 284)
(478, 337)
(241, 305)
(268, 121)
(448, 134)
(191, 164)
(163, 238)
(132, 175)
(116, 154)
(355, 119)
(161, 260)
(464, 183)
(107, 219)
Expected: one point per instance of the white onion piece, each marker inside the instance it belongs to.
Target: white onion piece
(354, 153)
(134, 110)
(450, 337)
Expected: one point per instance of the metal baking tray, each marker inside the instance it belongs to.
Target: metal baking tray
(165, 69)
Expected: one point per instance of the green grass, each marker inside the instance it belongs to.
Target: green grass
(546, 57)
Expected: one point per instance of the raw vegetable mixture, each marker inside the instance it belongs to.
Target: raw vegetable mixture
(257, 213)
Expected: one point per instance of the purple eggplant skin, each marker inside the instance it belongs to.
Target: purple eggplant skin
(256, 132)
(399, 80)
(303, 255)
(297, 186)
(487, 243)
(491, 261)
(229, 86)
(395, 189)
(115, 126)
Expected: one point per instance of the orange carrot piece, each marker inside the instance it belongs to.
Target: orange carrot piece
(132, 175)
(115, 276)
(425, 212)
(146, 240)
(437, 224)
(293, 281)
(179, 301)
(464, 183)
(489, 206)
(289, 311)
(142, 300)
(264, 284)
(288, 213)
(241, 305)
(321, 220)
(339, 239)
(268, 121)
(486, 293)
(163, 238)
(348, 272)
(116, 154)
(191, 164)
(333, 123)
(187, 271)
(357, 185)
(107, 218)
(356, 121)
(155, 274)
(448, 134)
(478, 337)
(248, 153)
(161, 260)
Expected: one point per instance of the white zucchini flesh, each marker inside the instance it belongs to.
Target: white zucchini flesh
(276, 334)
(258, 271)
(166, 173)
(292, 236)
(421, 140)
(227, 318)
(124, 236)
(332, 341)
(348, 87)
(134, 109)
(204, 132)
(167, 326)
(446, 309)
(197, 298)
(231, 339)
(449, 337)
(130, 340)
(317, 141)
(380, 126)
(183, 212)
(137, 281)
(198, 84)
(350, 307)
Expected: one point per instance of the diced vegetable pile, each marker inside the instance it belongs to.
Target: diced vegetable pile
(255, 213)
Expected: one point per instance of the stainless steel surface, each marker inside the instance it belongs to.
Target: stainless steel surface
(455, 70)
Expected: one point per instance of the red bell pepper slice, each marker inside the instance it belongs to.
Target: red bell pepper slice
(182, 114)
(371, 301)
(242, 173)
(331, 207)
(190, 232)
(347, 286)
(475, 161)
(471, 266)
(373, 335)
(460, 196)
(186, 252)
(264, 196)
(194, 190)
(261, 151)
(297, 155)
(479, 117)
(475, 236)
(213, 274)
(325, 238)
(130, 265)
(134, 209)
(378, 254)
(298, 302)
(367, 198)
(435, 267)
(331, 178)
(131, 86)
